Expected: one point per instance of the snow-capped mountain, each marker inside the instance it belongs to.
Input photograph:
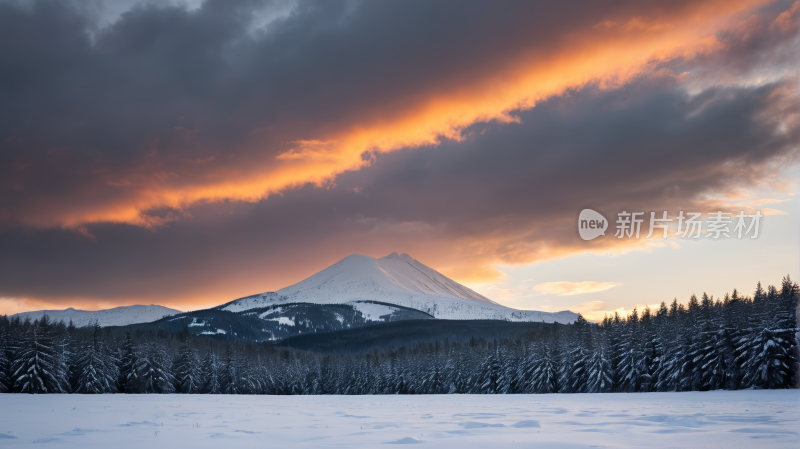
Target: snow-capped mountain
(394, 279)
(118, 316)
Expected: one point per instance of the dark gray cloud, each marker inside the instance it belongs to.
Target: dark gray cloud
(90, 114)
(187, 96)
(505, 190)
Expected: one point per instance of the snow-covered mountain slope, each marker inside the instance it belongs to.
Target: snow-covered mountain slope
(394, 279)
(279, 321)
(410, 275)
(118, 316)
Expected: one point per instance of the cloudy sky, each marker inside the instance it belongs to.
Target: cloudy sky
(189, 153)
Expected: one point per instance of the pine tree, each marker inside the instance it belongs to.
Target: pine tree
(68, 353)
(490, 374)
(310, 382)
(788, 330)
(187, 376)
(5, 363)
(616, 345)
(709, 351)
(211, 383)
(36, 369)
(246, 382)
(671, 356)
(565, 365)
(96, 371)
(580, 356)
(228, 375)
(766, 353)
(599, 377)
(401, 386)
(127, 366)
(768, 362)
(631, 366)
(152, 372)
(12, 350)
(433, 383)
(545, 374)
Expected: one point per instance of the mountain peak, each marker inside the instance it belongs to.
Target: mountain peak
(394, 255)
(396, 279)
(359, 276)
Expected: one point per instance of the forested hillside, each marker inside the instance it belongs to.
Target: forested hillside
(735, 342)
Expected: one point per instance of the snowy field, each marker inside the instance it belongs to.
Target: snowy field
(737, 419)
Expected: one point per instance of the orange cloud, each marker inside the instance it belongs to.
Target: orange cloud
(566, 288)
(608, 56)
(787, 20)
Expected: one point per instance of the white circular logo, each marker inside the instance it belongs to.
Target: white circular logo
(591, 224)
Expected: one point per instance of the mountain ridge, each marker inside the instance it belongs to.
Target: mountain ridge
(117, 316)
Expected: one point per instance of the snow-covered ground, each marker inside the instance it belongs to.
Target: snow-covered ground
(725, 419)
(395, 279)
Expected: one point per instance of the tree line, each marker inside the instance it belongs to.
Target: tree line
(736, 342)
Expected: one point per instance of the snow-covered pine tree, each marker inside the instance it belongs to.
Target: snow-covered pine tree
(187, 370)
(510, 359)
(36, 368)
(599, 377)
(768, 363)
(365, 377)
(670, 360)
(210, 374)
(58, 330)
(709, 350)
(757, 314)
(381, 381)
(580, 355)
(297, 387)
(12, 349)
(68, 352)
(228, 374)
(5, 363)
(616, 344)
(649, 348)
(526, 367)
(490, 374)
(631, 364)
(401, 386)
(327, 377)
(245, 381)
(255, 374)
(545, 373)
(654, 345)
(152, 370)
(734, 320)
(767, 353)
(789, 329)
(565, 365)
(126, 366)
(432, 383)
(310, 382)
(96, 372)
(470, 369)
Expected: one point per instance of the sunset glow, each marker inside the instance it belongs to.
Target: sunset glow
(164, 166)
